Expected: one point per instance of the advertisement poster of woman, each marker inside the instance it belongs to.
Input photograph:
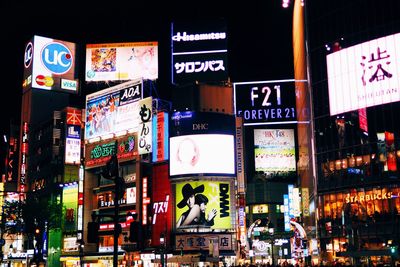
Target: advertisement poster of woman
(204, 204)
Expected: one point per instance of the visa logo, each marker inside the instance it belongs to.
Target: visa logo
(69, 84)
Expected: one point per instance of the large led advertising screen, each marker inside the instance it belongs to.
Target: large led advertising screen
(49, 64)
(202, 154)
(121, 61)
(364, 75)
(205, 204)
(274, 150)
(113, 110)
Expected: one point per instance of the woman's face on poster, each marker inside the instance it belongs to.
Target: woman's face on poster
(190, 201)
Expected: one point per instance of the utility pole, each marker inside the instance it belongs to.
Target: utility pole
(111, 171)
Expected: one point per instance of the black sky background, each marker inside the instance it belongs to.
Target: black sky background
(259, 36)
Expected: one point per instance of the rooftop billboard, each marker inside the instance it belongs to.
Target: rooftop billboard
(121, 61)
(199, 51)
(49, 64)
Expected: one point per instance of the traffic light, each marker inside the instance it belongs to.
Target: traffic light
(93, 232)
(38, 234)
(135, 230)
(111, 168)
(120, 186)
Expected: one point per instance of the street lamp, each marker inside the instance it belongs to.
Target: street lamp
(162, 249)
(81, 249)
(271, 233)
(250, 236)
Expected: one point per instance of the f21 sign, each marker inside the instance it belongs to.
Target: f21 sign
(265, 102)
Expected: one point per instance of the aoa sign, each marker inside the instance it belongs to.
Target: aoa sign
(57, 58)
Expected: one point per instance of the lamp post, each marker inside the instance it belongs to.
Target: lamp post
(250, 236)
(162, 249)
(81, 247)
(271, 232)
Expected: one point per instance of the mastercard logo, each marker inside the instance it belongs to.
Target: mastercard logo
(44, 80)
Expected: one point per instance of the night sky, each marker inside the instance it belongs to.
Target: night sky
(259, 36)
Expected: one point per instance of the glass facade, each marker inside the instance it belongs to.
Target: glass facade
(357, 151)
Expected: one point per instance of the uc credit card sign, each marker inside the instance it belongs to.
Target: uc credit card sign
(50, 65)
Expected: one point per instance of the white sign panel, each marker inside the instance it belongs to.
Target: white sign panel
(202, 153)
(364, 75)
(72, 151)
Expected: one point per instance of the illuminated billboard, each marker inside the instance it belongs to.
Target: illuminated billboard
(205, 204)
(161, 207)
(160, 136)
(49, 64)
(201, 154)
(73, 136)
(121, 61)
(364, 75)
(274, 150)
(202, 143)
(97, 154)
(70, 201)
(145, 114)
(199, 51)
(265, 102)
(189, 122)
(113, 110)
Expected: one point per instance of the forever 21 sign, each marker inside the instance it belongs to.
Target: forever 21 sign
(265, 102)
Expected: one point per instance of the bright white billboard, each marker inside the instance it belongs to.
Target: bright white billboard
(201, 154)
(274, 150)
(113, 110)
(121, 61)
(364, 75)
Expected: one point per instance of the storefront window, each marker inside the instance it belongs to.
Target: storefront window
(339, 202)
(373, 203)
(333, 206)
(327, 208)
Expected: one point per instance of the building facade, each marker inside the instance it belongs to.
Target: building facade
(352, 57)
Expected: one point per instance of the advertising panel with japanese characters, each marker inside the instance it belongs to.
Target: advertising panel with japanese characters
(204, 241)
(199, 51)
(204, 204)
(364, 75)
(274, 150)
